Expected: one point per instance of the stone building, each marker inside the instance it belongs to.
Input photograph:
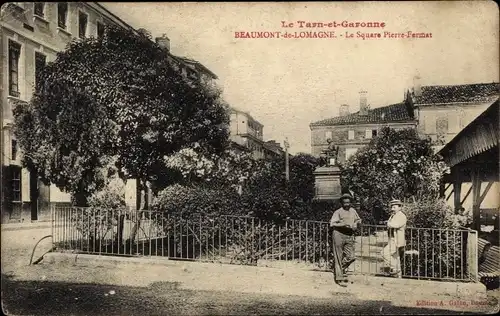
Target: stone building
(438, 111)
(247, 132)
(273, 149)
(352, 131)
(32, 34)
(444, 110)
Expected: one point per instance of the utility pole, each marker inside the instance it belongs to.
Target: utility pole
(2, 143)
(287, 167)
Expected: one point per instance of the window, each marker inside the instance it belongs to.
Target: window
(368, 134)
(461, 118)
(350, 135)
(349, 152)
(14, 149)
(442, 125)
(62, 14)
(82, 25)
(328, 135)
(100, 30)
(16, 184)
(14, 53)
(374, 133)
(40, 61)
(39, 9)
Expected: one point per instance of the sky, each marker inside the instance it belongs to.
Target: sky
(287, 83)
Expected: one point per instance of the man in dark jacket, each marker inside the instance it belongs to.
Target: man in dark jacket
(345, 221)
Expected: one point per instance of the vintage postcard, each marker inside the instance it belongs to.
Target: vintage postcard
(250, 158)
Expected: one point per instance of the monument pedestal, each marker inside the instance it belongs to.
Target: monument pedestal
(327, 183)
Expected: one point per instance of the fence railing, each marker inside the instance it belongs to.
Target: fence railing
(429, 253)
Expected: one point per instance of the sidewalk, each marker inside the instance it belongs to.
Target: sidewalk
(27, 225)
(289, 281)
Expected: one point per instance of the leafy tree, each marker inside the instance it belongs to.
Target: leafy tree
(396, 164)
(302, 179)
(269, 195)
(227, 169)
(116, 104)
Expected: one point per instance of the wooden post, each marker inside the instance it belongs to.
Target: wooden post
(457, 191)
(442, 190)
(2, 154)
(476, 203)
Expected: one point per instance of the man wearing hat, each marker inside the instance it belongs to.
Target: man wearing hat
(394, 250)
(345, 222)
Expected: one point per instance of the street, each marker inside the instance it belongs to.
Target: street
(61, 298)
(74, 290)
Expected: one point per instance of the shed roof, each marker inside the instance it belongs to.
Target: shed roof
(479, 136)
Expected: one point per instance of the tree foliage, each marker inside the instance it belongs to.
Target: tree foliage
(265, 193)
(189, 201)
(230, 168)
(116, 103)
(396, 164)
(269, 195)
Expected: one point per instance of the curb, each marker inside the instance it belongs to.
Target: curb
(271, 280)
(26, 226)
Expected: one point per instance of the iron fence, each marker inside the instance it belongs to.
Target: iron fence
(429, 253)
(441, 254)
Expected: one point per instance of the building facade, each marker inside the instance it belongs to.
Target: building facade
(247, 132)
(32, 34)
(439, 112)
(444, 110)
(352, 131)
(273, 149)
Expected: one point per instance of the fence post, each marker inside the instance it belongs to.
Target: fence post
(119, 235)
(53, 222)
(472, 255)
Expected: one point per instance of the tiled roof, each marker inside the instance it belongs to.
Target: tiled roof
(479, 92)
(391, 113)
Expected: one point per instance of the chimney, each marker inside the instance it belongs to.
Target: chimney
(363, 106)
(344, 110)
(163, 42)
(417, 87)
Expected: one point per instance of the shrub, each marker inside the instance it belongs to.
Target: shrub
(186, 200)
(97, 222)
(434, 214)
(441, 246)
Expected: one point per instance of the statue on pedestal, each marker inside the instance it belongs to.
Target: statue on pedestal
(332, 153)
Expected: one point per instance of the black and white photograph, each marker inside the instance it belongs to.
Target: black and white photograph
(250, 158)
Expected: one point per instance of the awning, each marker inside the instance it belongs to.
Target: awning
(479, 136)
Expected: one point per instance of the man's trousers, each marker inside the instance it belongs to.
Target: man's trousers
(343, 253)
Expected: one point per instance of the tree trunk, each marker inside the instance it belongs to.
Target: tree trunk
(137, 225)
(119, 233)
(81, 199)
